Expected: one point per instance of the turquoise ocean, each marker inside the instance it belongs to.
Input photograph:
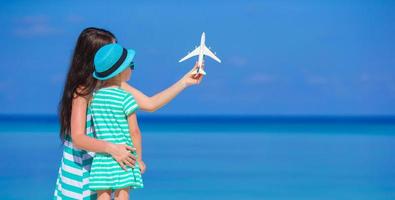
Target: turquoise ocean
(223, 157)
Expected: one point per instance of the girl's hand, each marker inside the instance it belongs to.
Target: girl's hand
(192, 79)
(142, 166)
(121, 153)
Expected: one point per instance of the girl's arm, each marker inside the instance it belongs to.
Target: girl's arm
(135, 134)
(157, 101)
(121, 153)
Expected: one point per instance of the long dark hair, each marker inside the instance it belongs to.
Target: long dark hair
(79, 81)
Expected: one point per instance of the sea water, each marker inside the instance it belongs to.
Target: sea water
(219, 157)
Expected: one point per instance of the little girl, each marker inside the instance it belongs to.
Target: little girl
(114, 120)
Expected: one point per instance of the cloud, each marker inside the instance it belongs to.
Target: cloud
(72, 18)
(237, 61)
(35, 25)
(260, 78)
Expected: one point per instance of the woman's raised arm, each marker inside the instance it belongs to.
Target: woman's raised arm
(160, 99)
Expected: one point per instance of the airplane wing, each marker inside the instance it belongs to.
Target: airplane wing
(193, 53)
(211, 54)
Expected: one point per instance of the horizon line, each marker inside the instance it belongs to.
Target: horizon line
(210, 118)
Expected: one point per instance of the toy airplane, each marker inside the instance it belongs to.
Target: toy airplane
(201, 51)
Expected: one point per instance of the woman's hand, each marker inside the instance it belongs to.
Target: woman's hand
(142, 166)
(121, 153)
(192, 79)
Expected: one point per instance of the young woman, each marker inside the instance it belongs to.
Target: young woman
(76, 123)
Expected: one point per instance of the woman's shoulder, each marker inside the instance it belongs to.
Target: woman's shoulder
(82, 91)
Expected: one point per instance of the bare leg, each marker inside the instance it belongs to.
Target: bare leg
(103, 195)
(122, 194)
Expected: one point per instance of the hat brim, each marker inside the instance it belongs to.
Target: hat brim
(129, 58)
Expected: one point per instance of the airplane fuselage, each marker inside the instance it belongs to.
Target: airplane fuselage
(201, 53)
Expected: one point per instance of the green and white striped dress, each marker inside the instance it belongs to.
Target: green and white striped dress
(110, 108)
(72, 181)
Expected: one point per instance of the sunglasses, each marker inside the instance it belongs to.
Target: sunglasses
(131, 65)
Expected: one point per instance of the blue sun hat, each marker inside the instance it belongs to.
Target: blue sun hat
(112, 59)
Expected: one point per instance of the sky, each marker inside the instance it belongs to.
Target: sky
(279, 57)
